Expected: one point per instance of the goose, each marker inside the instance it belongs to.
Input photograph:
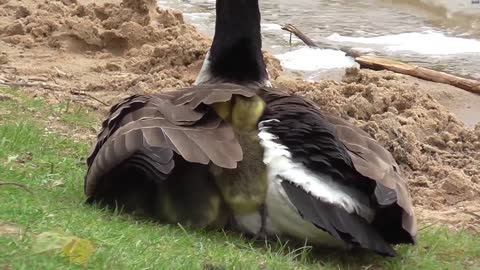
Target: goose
(327, 181)
(274, 161)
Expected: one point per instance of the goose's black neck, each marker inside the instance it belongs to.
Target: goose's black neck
(236, 52)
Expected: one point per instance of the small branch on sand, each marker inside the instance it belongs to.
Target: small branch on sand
(54, 87)
(60, 73)
(31, 84)
(472, 213)
(16, 185)
(377, 63)
(77, 93)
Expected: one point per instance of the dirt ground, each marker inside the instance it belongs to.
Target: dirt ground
(96, 52)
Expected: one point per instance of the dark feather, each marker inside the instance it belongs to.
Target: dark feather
(333, 146)
(342, 225)
(147, 131)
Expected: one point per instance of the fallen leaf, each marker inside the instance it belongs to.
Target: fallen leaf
(76, 249)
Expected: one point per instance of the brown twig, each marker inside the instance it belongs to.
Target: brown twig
(31, 84)
(16, 185)
(77, 93)
(293, 30)
(60, 73)
(426, 227)
(313, 44)
(472, 213)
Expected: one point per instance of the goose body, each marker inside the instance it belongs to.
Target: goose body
(328, 181)
(295, 171)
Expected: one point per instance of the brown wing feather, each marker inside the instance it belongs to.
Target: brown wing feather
(210, 93)
(176, 122)
(375, 162)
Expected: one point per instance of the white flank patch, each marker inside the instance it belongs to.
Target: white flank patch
(279, 163)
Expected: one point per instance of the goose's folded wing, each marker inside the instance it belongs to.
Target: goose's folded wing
(319, 180)
(208, 94)
(367, 156)
(349, 227)
(147, 131)
(375, 162)
(320, 145)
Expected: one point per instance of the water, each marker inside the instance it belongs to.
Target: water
(441, 34)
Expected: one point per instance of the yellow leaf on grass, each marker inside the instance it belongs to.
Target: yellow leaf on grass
(78, 250)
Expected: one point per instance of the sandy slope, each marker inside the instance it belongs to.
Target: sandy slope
(106, 50)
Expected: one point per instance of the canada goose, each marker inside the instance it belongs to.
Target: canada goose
(328, 181)
(152, 153)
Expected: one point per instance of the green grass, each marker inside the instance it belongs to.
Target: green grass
(51, 166)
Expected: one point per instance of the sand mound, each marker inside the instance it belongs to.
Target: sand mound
(153, 46)
(115, 48)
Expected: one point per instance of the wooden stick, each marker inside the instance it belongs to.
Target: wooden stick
(313, 44)
(292, 29)
(378, 63)
(77, 93)
(31, 84)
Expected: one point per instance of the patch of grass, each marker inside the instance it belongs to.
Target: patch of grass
(51, 167)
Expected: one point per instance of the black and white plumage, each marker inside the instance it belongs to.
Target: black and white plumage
(314, 179)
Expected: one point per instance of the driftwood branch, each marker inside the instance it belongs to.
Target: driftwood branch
(315, 44)
(377, 63)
